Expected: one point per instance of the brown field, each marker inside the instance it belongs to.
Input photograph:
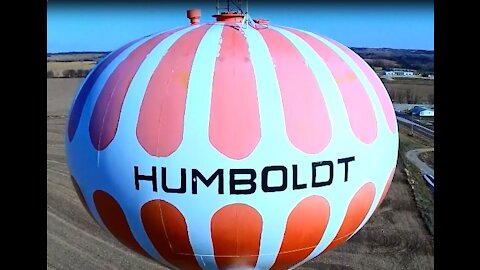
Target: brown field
(59, 67)
(394, 238)
(60, 94)
(419, 90)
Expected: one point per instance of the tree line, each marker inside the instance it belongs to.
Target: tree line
(69, 73)
(409, 96)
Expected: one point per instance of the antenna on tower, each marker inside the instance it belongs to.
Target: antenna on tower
(229, 10)
(229, 6)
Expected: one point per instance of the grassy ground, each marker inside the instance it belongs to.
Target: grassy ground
(427, 157)
(422, 194)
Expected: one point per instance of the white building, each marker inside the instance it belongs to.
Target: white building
(399, 72)
(390, 73)
(422, 111)
(426, 112)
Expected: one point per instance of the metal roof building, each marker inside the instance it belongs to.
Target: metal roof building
(421, 111)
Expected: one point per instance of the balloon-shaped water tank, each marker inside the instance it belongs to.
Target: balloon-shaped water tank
(232, 144)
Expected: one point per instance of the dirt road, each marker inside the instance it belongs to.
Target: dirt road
(394, 238)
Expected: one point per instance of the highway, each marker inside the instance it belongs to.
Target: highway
(408, 117)
(418, 128)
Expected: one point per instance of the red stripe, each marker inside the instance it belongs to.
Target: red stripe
(113, 217)
(356, 213)
(357, 103)
(76, 113)
(104, 120)
(306, 117)
(167, 229)
(160, 122)
(236, 230)
(234, 128)
(377, 84)
(305, 227)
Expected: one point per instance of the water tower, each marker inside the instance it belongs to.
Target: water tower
(232, 143)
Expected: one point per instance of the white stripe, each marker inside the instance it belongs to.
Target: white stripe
(93, 70)
(272, 126)
(111, 66)
(268, 91)
(383, 130)
(341, 129)
(116, 172)
(381, 120)
(81, 140)
(375, 77)
(129, 118)
(196, 126)
(382, 125)
(97, 177)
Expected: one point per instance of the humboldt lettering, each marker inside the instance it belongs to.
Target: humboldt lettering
(242, 181)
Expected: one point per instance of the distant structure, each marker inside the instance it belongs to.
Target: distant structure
(399, 72)
(389, 73)
(422, 111)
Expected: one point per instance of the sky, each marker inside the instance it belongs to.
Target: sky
(106, 27)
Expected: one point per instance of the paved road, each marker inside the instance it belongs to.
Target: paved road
(412, 156)
(409, 117)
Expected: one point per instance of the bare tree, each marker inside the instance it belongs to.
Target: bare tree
(416, 98)
(82, 73)
(431, 99)
(393, 95)
(401, 97)
(410, 96)
(69, 73)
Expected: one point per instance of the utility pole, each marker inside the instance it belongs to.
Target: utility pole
(411, 120)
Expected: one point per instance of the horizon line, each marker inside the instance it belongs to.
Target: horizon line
(350, 47)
